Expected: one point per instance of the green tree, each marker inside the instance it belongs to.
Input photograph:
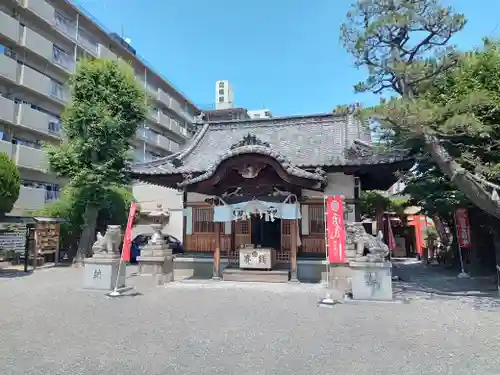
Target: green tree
(106, 109)
(113, 210)
(10, 183)
(404, 46)
(373, 204)
(476, 72)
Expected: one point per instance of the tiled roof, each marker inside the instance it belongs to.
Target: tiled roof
(302, 141)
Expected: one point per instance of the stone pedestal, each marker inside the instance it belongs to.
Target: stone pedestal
(157, 260)
(371, 280)
(101, 272)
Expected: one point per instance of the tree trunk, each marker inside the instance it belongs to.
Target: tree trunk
(479, 196)
(88, 234)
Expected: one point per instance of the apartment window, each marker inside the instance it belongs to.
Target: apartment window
(61, 58)
(221, 99)
(54, 125)
(221, 85)
(268, 114)
(25, 142)
(221, 92)
(87, 41)
(8, 52)
(65, 25)
(58, 90)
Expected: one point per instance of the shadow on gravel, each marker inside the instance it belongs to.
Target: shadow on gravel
(417, 278)
(8, 273)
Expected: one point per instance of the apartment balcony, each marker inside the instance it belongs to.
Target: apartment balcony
(153, 115)
(187, 116)
(35, 81)
(31, 158)
(164, 120)
(7, 110)
(105, 53)
(30, 199)
(164, 98)
(174, 147)
(154, 139)
(38, 121)
(36, 43)
(87, 42)
(8, 68)
(6, 147)
(9, 27)
(41, 8)
(63, 60)
(174, 126)
(65, 26)
(163, 142)
(175, 105)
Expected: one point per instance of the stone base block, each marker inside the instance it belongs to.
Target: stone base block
(371, 281)
(339, 277)
(157, 265)
(101, 272)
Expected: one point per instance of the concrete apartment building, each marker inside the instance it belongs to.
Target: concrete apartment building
(40, 42)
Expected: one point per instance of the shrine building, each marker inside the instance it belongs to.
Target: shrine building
(260, 184)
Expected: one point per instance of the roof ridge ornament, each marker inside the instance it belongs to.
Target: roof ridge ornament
(250, 140)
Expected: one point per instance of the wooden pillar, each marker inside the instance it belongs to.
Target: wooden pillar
(293, 250)
(216, 273)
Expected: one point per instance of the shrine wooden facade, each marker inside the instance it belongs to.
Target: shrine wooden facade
(267, 159)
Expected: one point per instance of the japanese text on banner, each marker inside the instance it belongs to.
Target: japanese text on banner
(335, 229)
(463, 228)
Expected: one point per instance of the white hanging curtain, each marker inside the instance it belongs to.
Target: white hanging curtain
(266, 210)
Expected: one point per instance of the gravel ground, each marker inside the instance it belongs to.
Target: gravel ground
(51, 326)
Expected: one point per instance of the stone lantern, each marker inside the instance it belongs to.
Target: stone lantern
(156, 257)
(160, 218)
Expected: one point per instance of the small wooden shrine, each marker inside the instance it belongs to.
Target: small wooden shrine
(260, 185)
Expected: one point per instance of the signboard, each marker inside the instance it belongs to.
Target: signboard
(12, 237)
(257, 258)
(335, 229)
(463, 228)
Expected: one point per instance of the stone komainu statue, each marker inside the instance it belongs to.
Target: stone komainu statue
(110, 242)
(368, 247)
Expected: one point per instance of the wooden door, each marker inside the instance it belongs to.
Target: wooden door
(242, 233)
(242, 236)
(283, 254)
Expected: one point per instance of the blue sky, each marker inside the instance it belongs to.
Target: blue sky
(281, 54)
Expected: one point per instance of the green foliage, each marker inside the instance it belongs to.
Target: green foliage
(479, 153)
(404, 46)
(395, 40)
(113, 210)
(106, 109)
(373, 203)
(10, 183)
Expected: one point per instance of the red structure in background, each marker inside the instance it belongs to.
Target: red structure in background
(420, 223)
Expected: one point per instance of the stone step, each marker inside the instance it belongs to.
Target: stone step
(271, 276)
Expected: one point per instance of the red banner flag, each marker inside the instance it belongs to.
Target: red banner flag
(127, 239)
(335, 229)
(463, 228)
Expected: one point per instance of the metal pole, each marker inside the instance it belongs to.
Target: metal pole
(462, 274)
